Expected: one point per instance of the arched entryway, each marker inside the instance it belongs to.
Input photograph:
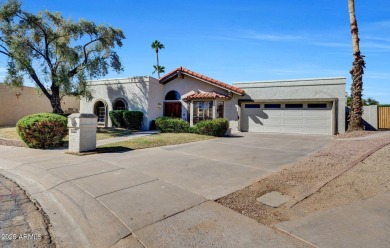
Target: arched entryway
(100, 109)
(119, 104)
(172, 104)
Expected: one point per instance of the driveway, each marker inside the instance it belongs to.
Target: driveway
(160, 197)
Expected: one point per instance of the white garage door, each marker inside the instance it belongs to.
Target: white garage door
(306, 118)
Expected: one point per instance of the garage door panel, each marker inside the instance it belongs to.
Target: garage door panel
(283, 120)
(317, 113)
(291, 121)
(317, 122)
(273, 121)
(293, 113)
(273, 113)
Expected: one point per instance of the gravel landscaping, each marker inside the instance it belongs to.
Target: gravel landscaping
(303, 175)
(22, 223)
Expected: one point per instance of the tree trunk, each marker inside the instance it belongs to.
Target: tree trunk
(158, 67)
(357, 71)
(55, 100)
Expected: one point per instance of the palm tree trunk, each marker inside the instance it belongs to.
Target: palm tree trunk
(357, 71)
(158, 71)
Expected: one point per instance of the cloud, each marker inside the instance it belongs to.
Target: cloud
(332, 44)
(271, 37)
(258, 36)
(377, 75)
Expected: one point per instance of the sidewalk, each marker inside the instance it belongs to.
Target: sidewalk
(362, 224)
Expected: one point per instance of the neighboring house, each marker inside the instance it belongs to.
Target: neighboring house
(313, 106)
(18, 102)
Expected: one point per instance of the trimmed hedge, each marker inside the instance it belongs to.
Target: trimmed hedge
(217, 127)
(172, 125)
(43, 130)
(117, 118)
(126, 119)
(133, 119)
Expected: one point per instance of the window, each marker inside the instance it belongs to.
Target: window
(119, 104)
(203, 111)
(294, 105)
(272, 105)
(100, 111)
(317, 105)
(220, 110)
(252, 105)
(172, 95)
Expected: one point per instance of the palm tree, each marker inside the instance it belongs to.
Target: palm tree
(158, 69)
(156, 45)
(357, 71)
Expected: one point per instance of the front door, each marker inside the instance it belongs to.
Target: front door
(172, 109)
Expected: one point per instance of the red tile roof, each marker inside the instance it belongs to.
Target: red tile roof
(206, 95)
(175, 73)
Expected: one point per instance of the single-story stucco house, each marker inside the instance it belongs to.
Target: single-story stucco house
(307, 106)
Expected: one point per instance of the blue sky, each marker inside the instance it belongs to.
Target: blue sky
(235, 41)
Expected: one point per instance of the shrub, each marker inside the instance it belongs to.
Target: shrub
(172, 125)
(217, 127)
(42, 130)
(133, 119)
(117, 118)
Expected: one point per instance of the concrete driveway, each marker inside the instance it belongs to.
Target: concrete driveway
(157, 197)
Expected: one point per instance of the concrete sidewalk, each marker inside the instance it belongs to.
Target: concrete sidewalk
(158, 197)
(362, 224)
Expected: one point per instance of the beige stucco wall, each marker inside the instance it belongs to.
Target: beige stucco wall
(156, 96)
(18, 102)
(135, 91)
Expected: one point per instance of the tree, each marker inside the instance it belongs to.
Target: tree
(156, 45)
(371, 101)
(56, 53)
(357, 71)
(158, 69)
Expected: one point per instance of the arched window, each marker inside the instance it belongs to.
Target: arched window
(172, 95)
(119, 104)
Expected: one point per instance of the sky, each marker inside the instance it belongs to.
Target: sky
(236, 41)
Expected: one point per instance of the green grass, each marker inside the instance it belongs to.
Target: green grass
(102, 133)
(156, 140)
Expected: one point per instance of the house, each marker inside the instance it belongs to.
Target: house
(310, 106)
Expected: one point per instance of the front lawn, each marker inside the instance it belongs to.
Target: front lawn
(102, 133)
(156, 140)
(9, 133)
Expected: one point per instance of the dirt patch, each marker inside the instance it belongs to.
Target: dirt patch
(22, 222)
(304, 174)
(367, 179)
(356, 134)
(9, 142)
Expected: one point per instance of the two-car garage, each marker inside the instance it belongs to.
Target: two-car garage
(287, 117)
(302, 106)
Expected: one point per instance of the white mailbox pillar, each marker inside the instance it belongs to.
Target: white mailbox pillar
(82, 132)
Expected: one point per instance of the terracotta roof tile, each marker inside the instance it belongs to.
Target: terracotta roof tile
(173, 74)
(206, 95)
